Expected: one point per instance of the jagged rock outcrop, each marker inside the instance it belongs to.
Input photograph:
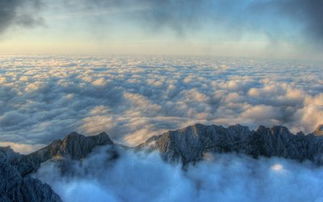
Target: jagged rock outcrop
(16, 183)
(187, 145)
(190, 144)
(74, 146)
(15, 187)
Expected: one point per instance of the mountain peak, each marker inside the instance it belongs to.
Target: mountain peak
(191, 143)
(74, 146)
(187, 145)
(77, 146)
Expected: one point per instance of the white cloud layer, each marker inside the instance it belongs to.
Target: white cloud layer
(228, 177)
(132, 98)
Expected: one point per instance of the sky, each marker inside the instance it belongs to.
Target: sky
(127, 67)
(248, 28)
(139, 68)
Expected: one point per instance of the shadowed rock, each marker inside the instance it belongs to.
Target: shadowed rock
(187, 145)
(74, 146)
(17, 185)
(14, 187)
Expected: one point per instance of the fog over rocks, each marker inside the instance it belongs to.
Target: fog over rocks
(86, 168)
(145, 177)
(133, 98)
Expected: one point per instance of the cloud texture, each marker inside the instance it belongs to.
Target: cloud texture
(133, 98)
(18, 12)
(145, 177)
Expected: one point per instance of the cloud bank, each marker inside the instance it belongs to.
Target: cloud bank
(133, 98)
(145, 177)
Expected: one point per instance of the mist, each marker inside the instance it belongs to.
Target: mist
(222, 177)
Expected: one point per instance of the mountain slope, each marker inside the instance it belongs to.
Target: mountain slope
(15, 187)
(190, 144)
(187, 145)
(74, 146)
(16, 183)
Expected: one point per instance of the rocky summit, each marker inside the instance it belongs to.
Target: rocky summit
(16, 184)
(192, 143)
(187, 146)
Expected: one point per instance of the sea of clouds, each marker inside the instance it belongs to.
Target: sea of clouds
(141, 177)
(132, 98)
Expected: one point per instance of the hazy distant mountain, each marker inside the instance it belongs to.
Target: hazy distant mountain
(187, 145)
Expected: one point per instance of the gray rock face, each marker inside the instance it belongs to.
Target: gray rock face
(74, 146)
(15, 182)
(187, 145)
(7, 154)
(190, 144)
(14, 187)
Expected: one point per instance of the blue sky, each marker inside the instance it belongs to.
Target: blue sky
(209, 27)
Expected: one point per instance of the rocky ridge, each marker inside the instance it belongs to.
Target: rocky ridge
(192, 143)
(16, 184)
(187, 145)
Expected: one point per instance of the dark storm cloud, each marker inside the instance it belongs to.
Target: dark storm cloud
(18, 12)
